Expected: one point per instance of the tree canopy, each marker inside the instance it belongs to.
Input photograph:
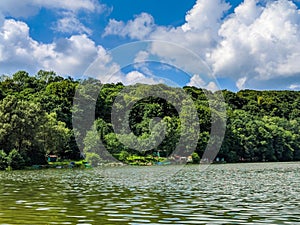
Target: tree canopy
(36, 120)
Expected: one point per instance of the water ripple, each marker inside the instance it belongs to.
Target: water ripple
(223, 194)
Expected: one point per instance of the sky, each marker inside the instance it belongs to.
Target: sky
(213, 44)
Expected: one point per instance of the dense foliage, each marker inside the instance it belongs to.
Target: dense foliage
(36, 120)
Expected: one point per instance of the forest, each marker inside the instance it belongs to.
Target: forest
(37, 115)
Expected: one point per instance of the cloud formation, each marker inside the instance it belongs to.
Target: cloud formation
(199, 32)
(197, 81)
(258, 42)
(67, 10)
(254, 44)
(70, 24)
(66, 56)
(138, 28)
(25, 8)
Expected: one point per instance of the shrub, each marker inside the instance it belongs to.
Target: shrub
(93, 158)
(15, 160)
(123, 156)
(196, 158)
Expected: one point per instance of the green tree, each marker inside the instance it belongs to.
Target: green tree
(3, 160)
(15, 160)
(93, 158)
(54, 135)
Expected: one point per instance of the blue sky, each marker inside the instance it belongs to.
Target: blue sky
(239, 44)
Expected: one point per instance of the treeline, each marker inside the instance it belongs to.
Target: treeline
(36, 120)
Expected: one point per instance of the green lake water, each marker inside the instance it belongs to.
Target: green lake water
(258, 193)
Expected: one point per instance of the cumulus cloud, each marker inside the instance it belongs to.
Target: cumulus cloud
(199, 32)
(141, 56)
(134, 77)
(138, 28)
(16, 47)
(256, 43)
(104, 68)
(205, 15)
(74, 59)
(294, 86)
(212, 86)
(259, 43)
(241, 83)
(25, 8)
(197, 81)
(70, 24)
(107, 71)
(66, 10)
(66, 56)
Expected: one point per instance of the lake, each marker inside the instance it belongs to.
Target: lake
(258, 193)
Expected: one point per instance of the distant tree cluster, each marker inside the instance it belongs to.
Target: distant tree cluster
(260, 126)
(36, 120)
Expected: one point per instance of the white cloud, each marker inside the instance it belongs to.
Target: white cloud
(70, 24)
(198, 82)
(180, 57)
(294, 86)
(248, 11)
(141, 56)
(205, 15)
(66, 56)
(115, 27)
(16, 46)
(104, 69)
(139, 28)
(261, 44)
(212, 86)
(290, 65)
(66, 10)
(74, 57)
(200, 31)
(134, 77)
(241, 83)
(255, 43)
(27, 8)
(89, 5)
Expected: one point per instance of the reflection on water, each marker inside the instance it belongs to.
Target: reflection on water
(222, 194)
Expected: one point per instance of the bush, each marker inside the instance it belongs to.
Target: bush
(196, 158)
(123, 156)
(3, 160)
(93, 158)
(15, 160)
(232, 157)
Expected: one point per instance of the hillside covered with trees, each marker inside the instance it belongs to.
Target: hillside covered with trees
(36, 120)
